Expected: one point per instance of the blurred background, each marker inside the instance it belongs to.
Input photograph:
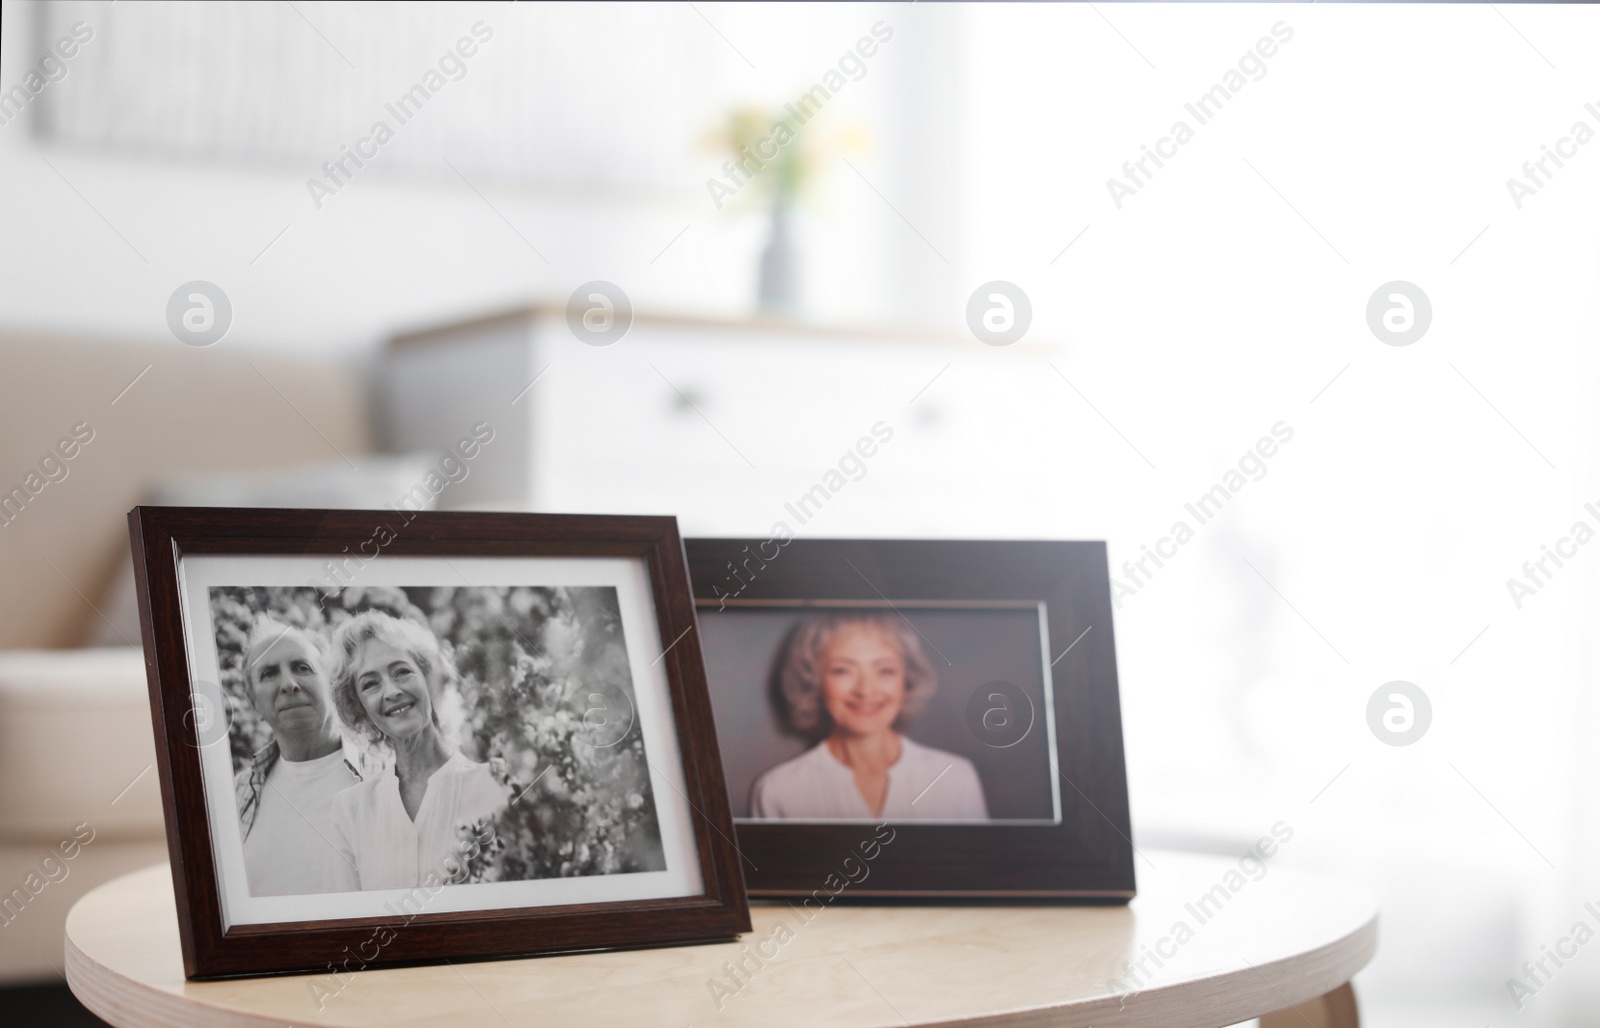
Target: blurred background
(222, 282)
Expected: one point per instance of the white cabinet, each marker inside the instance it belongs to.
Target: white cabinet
(730, 424)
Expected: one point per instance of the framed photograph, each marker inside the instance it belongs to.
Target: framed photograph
(918, 718)
(390, 737)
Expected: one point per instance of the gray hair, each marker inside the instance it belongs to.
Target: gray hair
(419, 644)
(799, 679)
(266, 631)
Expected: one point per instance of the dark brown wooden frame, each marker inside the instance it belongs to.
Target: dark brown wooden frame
(1089, 855)
(161, 536)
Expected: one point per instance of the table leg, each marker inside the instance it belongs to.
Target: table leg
(1336, 1009)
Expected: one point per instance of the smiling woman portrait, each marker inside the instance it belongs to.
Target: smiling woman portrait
(851, 683)
(393, 685)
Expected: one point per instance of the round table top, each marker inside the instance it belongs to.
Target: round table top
(1210, 944)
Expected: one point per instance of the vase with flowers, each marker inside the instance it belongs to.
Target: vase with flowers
(776, 161)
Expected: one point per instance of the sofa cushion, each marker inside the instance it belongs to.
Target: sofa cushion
(38, 886)
(76, 745)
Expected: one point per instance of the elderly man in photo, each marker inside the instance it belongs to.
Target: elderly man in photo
(286, 795)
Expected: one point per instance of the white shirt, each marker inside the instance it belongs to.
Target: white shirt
(382, 848)
(925, 784)
(290, 850)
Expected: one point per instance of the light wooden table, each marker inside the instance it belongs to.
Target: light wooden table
(1288, 942)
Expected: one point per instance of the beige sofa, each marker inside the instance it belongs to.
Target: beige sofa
(79, 797)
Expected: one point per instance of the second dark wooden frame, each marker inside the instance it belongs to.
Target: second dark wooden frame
(1089, 855)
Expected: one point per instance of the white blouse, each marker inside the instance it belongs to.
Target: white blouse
(381, 847)
(925, 784)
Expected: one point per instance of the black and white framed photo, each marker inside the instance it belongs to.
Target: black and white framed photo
(963, 693)
(411, 736)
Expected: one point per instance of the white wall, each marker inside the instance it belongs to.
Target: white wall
(101, 241)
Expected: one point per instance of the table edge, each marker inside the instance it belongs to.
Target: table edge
(1230, 996)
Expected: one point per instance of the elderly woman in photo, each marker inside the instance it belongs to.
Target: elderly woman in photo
(851, 682)
(403, 830)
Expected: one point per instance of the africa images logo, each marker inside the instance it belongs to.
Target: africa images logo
(452, 67)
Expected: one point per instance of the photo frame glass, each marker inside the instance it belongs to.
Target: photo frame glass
(967, 686)
(543, 676)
